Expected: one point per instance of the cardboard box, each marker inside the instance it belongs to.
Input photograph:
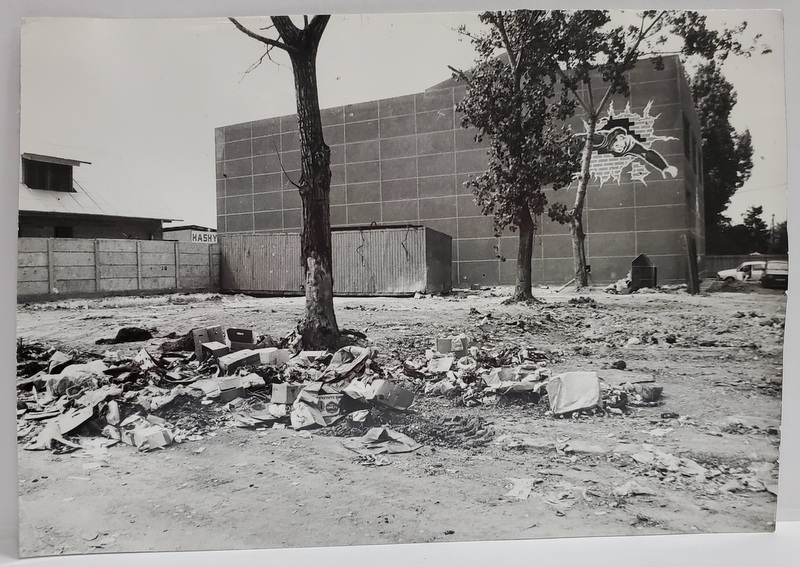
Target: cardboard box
(457, 345)
(392, 395)
(285, 393)
(330, 405)
(274, 356)
(234, 360)
(240, 339)
(230, 394)
(215, 348)
(206, 335)
(229, 382)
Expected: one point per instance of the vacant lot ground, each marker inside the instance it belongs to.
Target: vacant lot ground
(717, 356)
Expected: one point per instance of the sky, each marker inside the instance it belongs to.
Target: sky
(140, 98)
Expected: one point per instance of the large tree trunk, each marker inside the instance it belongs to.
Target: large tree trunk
(318, 328)
(576, 220)
(522, 290)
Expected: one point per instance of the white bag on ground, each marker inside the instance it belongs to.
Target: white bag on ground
(573, 391)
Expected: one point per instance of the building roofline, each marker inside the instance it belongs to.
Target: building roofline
(189, 226)
(53, 159)
(92, 216)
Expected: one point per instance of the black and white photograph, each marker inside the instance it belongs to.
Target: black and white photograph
(385, 279)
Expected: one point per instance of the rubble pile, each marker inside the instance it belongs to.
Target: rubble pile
(213, 378)
(457, 369)
(709, 478)
(231, 378)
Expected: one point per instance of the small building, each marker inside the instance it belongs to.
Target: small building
(54, 204)
(191, 233)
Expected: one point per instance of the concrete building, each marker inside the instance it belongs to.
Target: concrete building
(404, 160)
(53, 204)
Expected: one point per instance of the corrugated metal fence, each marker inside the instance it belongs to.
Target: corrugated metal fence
(397, 261)
(49, 268)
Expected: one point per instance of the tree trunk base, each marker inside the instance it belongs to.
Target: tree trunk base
(527, 299)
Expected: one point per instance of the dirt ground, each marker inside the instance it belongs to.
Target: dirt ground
(717, 355)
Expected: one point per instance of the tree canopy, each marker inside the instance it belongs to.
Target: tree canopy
(517, 102)
(727, 155)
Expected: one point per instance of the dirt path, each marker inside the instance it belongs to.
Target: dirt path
(281, 488)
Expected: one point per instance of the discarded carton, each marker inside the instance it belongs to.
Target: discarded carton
(319, 404)
(348, 361)
(457, 345)
(440, 364)
(273, 356)
(285, 393)
(253, 380)
(207, 335)
(141, 433)
(215, 349)
(573, 391)
(230, 388)
(391, 395)
(240, 339)
(234, 360)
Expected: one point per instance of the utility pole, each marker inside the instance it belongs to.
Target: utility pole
(772, 234)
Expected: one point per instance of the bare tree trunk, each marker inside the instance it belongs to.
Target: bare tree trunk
(318, 328)
(576, 220)
(522, 290)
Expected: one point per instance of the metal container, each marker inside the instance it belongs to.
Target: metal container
(366, 261)
(643, 273)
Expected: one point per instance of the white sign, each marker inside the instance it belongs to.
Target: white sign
(206, 237)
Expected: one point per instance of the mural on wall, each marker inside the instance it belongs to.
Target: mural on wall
(624, 139)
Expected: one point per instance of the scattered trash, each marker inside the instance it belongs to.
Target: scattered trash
(520, 488)
(380, 440)
(457, 345)
(632, 488)
(573, 391)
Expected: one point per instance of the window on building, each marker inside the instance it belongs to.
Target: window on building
(46, 175)
(63, 232)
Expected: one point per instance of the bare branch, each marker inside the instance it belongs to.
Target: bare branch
(574, 91)
(461, 74)
(305, 21)
(266, 40)
(255, 65)
(280, 162)
(512, 57)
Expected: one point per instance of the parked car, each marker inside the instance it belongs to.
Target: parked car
(747, 271)
(776, 274)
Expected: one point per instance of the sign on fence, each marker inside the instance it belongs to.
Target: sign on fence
(204, 237)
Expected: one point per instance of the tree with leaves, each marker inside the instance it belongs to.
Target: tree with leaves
(516, 103)
(318, 328)
(727, 155)
(757, 229)
(594, 56)
(779, 239)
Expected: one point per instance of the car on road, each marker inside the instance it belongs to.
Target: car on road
(776, 274)
(747, 271)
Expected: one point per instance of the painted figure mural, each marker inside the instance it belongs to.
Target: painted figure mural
(624, 139)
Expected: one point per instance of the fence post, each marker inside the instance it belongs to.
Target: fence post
(177, 264)
(139, 264)
(210, 267)
(97, 266)
(51, 266)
